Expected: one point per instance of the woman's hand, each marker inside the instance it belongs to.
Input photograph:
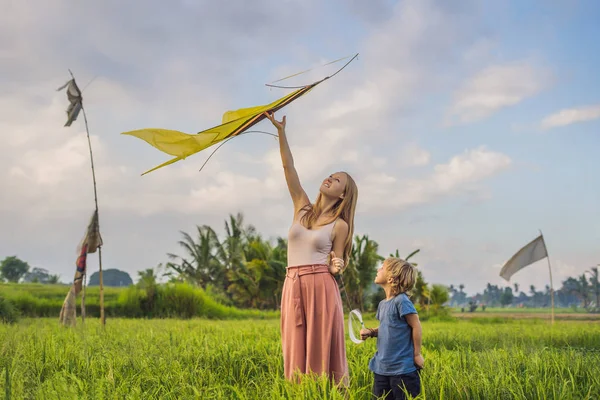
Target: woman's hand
(280, 125)
(336, 265)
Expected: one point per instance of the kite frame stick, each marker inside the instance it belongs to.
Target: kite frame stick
(228, 139)
(87, 130)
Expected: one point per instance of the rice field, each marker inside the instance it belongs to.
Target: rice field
(211, 359)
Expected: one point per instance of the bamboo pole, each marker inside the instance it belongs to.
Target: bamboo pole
(87, 130)
(551, 284)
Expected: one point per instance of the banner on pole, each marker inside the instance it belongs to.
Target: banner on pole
(90, 242)
(530, 253)
(75, 101)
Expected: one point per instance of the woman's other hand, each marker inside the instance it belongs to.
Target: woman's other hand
(336, 265)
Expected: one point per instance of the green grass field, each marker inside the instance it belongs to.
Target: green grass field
(210, 359)
(524, 310)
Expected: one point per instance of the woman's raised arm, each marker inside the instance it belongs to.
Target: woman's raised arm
(298, 194)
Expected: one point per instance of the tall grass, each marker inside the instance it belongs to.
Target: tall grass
(39, 300)
(209, 359)
(163, 301)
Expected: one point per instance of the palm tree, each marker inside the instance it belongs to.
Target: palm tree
(578, 287)
(397, 255)
(488, 294)
(147, 278)
(595, 285)
(584, 290)
(533, 294)
(506, 298)
(361, 270)
(571, 287)
(258, 282)
(421, 293)
(244, 285)
(438, 295)
(462, 297)
(277, 270)
(230, 251)
(452, 290)
(242, 266)
(199, 266)
(547, 296)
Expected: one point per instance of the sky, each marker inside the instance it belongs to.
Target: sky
(468, 127)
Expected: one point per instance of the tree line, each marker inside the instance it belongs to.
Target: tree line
(246, 270)
(582, 291)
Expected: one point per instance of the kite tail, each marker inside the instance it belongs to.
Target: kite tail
(173, 160)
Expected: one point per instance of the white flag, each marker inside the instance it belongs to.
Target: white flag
(532, 252)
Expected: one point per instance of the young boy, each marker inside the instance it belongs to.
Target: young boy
(398, 358)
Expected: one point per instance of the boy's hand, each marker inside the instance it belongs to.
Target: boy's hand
(419, 361)
(364, 334)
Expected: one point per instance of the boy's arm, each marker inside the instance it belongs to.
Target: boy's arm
(415, 324)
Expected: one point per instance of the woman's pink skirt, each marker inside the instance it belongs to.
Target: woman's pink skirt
(312, 324)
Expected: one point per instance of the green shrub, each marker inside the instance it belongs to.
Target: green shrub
(130, 301)
(434, 313)
(8, 312)
(179, 300)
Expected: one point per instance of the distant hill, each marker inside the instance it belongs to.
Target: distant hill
(111, 277)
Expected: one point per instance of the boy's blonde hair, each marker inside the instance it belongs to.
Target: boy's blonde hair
(403, 274)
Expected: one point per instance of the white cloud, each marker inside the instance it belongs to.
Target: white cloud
(496, 87)
(571, 116)
(384, 192)
(412, 155)
(471, 166)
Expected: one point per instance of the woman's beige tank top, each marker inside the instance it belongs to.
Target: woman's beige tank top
(309, 246)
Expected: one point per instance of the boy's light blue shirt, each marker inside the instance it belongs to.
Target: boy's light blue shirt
(395, 348)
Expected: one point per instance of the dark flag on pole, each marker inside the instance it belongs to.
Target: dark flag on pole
(89, 244)
(75, 101)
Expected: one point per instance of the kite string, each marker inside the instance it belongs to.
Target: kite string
(310, 69)
(89, 83)
(345, 292)
(219, 146)
(316, 83)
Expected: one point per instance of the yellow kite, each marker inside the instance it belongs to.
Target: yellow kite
(181, 145)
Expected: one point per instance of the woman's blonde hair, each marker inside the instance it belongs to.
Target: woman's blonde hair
(344, 208)
(403, 274)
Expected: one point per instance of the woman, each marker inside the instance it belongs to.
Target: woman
(312, 316)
